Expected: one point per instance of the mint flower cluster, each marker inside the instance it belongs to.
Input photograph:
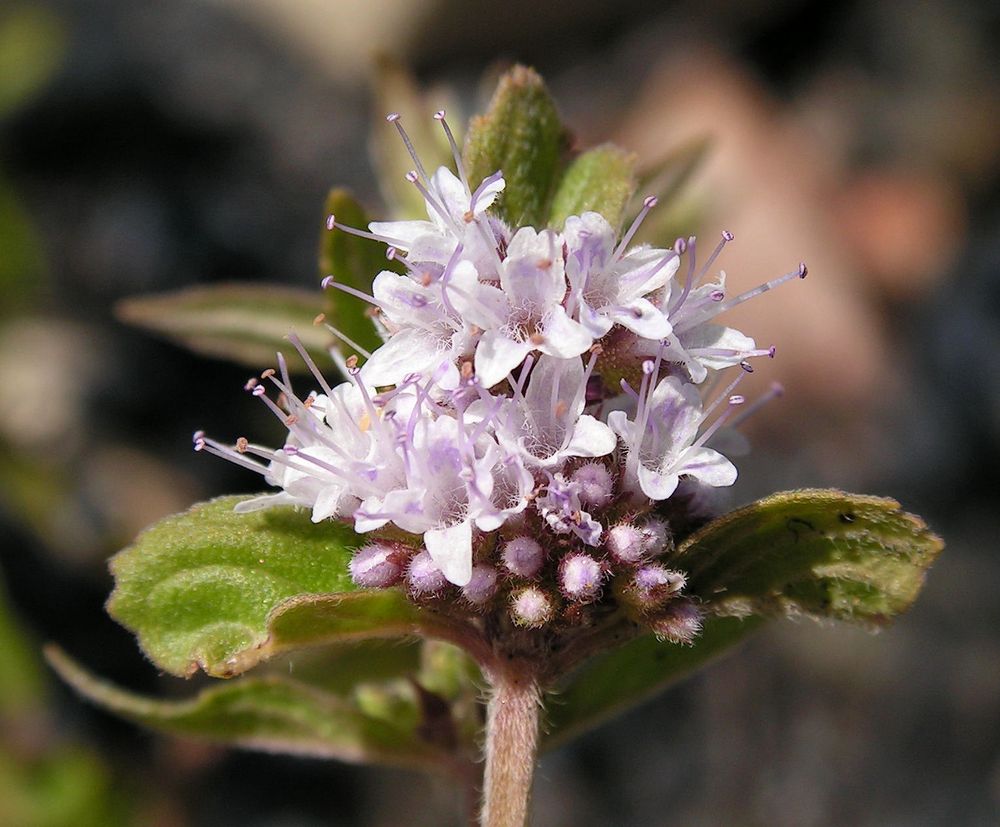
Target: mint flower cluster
(543, 400)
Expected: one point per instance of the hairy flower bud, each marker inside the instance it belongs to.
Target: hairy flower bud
(627, 544)
(531, 607)
(596, 484)
(680, 621)
(523, 556)
(653, 584)
(481, 586)
(580, 577)
(657, 537)
(424, 577)
(377, 566)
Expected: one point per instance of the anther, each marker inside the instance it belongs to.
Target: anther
(320, 318)
(328, 281)
(241, 444)
(803, 270)
(728, 236)
(331, 221)
(746, 366)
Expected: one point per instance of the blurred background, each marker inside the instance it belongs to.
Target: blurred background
(146, 146)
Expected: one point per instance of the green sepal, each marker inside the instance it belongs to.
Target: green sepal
(221, 591)
(601, 179)
(824, 554)
(353, 261)
(521, 134)
(613, 682)
(242, 322)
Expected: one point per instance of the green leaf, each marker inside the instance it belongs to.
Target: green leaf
(245, 323)
(522, 135)
(273, 713)
(353, 261)
(611, 683)
(826, 554)
(222, 591)
(601, 179)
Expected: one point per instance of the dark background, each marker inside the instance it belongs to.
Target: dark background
(193, 142)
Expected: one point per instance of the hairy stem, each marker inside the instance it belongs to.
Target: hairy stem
(511, 747)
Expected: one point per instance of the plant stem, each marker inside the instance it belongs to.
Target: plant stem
(511, 747)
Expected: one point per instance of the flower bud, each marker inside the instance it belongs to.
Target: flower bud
(580, 577)
(652, 585)
(424, 577)
(531, 607)
(376, 566)
(626, 544)
(680, 621)
(657, 537)
(596, 484)
(481, 586)
(523, 556)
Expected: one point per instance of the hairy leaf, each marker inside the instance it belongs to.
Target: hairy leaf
(522, 135)
(276, 714)
(246, 323)
(221, 591)
(601, 179)
(611, 683)
(826, 554)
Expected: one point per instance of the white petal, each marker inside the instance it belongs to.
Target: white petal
(451, 549)
(402, 233)
(563, 337)
(706, 466)
(532, 274)
(497, 355)
(655, 485)
(408, 351)
(642, 317)
(484, 196)
(265, 501)
(327, 503)
(591, 438)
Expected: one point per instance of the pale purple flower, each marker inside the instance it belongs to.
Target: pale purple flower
(544, 424)
(662, 441)
(611, 287)
(529, 306)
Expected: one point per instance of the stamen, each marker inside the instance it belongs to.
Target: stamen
(648, 203)
(776, 391)
(799, 273)
(333, 224)
(394, 119)
(412, 177)
(329, 282)
(459, 167)
(347, 340)
(313, 369)
(726, 238)
(691, 247)
(734, 401)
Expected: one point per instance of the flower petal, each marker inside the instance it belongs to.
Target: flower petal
(497, 355)
(451, 549)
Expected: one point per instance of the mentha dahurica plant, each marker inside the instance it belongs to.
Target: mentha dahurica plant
(520, 465)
